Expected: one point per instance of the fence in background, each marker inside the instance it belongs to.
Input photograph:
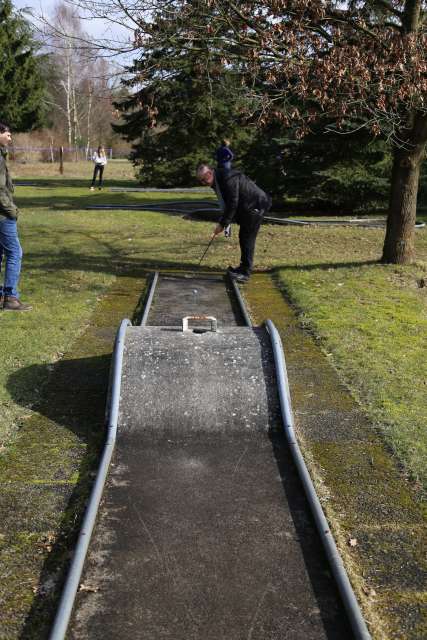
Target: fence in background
(68, 154)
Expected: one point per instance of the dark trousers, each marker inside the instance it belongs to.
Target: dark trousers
(249, 227)
(99, 168)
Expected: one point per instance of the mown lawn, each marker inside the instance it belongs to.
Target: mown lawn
(372, 322)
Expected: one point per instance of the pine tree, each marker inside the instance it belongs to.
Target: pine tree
(22, 85)
(324, 171)
(337, 172)
(184, 129)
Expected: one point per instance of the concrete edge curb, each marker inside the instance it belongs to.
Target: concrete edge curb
(72, 581)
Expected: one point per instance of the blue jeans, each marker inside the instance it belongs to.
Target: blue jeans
(11, 251)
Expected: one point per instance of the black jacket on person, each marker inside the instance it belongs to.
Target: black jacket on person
(240, 194)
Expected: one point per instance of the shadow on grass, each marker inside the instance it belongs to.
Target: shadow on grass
(57, 453)
(113, 260)
(75, 401)
(50, 183)
(66, 203)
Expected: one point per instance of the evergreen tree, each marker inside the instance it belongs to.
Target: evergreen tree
(22, 84)
(338, 172)
(184, 129)
(358, 60)
(323, 171)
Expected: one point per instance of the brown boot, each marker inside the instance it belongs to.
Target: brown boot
(11, 303)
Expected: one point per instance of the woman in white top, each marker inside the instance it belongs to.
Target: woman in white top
(100, 160)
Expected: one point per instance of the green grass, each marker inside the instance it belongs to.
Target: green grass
(372, 321)
(84, 270)
(372, 318)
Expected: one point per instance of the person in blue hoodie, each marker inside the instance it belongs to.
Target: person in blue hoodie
(224, 155)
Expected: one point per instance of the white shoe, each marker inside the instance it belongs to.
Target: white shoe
(92, 188)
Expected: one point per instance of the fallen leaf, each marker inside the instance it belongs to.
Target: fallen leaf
(88, 587)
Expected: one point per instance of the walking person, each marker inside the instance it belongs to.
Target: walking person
(242, 202)
(224, 155)
(10, 247)
(100, 160)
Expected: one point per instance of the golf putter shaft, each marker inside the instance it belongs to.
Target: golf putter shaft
(206, 250)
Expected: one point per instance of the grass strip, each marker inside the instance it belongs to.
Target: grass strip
(371, 321)
(47, 471)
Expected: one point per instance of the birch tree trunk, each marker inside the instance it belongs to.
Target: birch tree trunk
(75, 121)
(67, 88)
(89, 110)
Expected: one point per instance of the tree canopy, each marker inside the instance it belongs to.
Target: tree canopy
(301, 60)
(178, 121)
(361, 63)
(22, 84)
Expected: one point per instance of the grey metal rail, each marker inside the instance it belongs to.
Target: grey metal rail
(71, 585)
(72, 581)
(348, 597)
(241, 302)
(147, 305)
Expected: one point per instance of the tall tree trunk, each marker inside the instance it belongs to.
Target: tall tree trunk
(75, 121)
(89, 113)
(67, 87)
(399, 243)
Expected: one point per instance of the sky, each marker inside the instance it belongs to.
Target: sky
(96, 28)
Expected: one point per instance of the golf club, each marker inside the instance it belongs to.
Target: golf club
(206, 250)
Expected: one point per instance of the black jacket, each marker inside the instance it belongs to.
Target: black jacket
(240, 195)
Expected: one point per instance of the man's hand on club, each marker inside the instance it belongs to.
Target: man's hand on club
(218, 229)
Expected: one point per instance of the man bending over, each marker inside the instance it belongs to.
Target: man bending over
(243, 202)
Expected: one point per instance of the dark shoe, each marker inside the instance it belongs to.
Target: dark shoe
(14, 304)
(232, 270)
(239, 277)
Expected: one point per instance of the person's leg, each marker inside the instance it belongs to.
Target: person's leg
(101, 173)
(1, 282)
(9, 240)
(13, 255)
(12, 250)
(247, 238)
(95, 172)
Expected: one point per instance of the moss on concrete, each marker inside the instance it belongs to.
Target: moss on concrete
(364, 494)
(398, 604)
(47, 471)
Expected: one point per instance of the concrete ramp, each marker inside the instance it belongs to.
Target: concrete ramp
(177, 383)
(203, 532)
